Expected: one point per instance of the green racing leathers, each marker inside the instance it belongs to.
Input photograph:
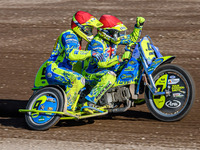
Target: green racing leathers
(94, 70)
(60, 65)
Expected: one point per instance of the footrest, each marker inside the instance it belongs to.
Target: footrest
(92, 108)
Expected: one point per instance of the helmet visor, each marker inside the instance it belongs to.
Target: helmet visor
(115, 34)
(87, 30)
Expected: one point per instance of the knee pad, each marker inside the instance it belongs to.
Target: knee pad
(83, 81)
(112, 73)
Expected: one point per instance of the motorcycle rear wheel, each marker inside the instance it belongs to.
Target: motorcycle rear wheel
(180, 85)
(47, 99)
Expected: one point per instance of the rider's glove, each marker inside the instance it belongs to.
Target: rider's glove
(139, 22)
(98, 56)
(126, 55)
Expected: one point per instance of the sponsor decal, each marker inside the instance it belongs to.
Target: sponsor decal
(169, 87)
(129, 69)
(182, 92)
(122, 28)
(173, 81)
(157, 61)
(151, 53)
(69, 36)
(162, 80)
(98, 48)
(50, 108)
(105, 89)
(95, 44)
(83, 52)
(132, 62)
(150, 69)
(172, 77)
(177, 95)
(49, 75)
(177, 88)
(71, 41)
(126, 76)
(41, 119)
(59, 78)
(51, 100)
(96, 90)
(173, 104)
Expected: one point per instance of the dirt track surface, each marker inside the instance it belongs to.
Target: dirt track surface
(28, 30)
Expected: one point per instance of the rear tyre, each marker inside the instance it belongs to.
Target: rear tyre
(181, 93)
(46, 99)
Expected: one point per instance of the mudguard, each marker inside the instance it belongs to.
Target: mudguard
(159, 61)
(40, 79)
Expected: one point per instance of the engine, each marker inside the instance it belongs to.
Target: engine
(115, 96)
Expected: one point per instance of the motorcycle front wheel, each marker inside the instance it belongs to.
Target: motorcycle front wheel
(179, 97)
(45, 99)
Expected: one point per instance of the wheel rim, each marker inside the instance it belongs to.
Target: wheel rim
(177, 100)
(46, 101)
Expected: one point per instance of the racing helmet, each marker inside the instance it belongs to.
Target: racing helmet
(83, 23)
(112, 28)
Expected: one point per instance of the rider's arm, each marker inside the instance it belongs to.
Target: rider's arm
(131, 38)
(97, 45)
(109, 63)
(75, 54)
(71, 44)
(135, 35)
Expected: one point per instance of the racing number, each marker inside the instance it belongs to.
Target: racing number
(149, 46)
(160, 88)
(43, 73)
(37, 104)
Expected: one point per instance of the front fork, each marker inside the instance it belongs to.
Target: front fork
(152, 86)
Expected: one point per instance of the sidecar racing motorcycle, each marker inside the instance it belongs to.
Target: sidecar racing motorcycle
(169, 91)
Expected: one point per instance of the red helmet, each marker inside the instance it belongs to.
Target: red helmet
(111, 29)
(83, 23)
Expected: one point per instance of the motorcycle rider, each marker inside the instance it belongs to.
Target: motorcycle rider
(67, 51)
(109, 36)
(112, 34)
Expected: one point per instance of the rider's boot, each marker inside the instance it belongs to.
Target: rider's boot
(90, 108)
(87, 108)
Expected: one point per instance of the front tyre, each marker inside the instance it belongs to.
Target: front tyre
(179, 97)
(45, 99)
